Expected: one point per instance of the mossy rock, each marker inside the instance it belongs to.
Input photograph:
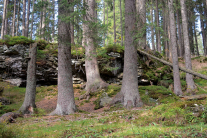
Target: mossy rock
(41, 44)
(11, 41)
(158, 93)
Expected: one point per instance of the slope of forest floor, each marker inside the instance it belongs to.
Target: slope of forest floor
(163, 113)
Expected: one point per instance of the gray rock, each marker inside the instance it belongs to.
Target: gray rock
(16, 82)
(105, 99)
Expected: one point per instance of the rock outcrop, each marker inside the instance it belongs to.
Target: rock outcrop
(13, 67)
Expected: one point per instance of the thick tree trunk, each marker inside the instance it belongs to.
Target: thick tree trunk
(141, 10)
(94, 81)
(17, 27)
(152, 28)
(114, 16)
(129, 94)
(158, 30)
(33, 2)
(176, 74)
(189, 78)
(3, 19)
(121, 23)
(13, 19)
(29, 100)
(65, 101)
(27, 23)
(23, 17)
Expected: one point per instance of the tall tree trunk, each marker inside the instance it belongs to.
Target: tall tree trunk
(23, 16)
(94, 80)
(27, 23)
(72, 25)
(29, 100)
(84, 41)
(121, 23)
(196, 40)
(152, 27)
(13, 19)
(65, 101)
(33, 2)
(3, 19)
(129, 94)
(53, 22)
(17, 26)
(43, 20)
(141, 10)
(191, 32)
(104, 22)
(107, 24)
(158, 30)
(176, 74)
(6, 20)
(181, 48)
(40, 24)
(114, 21)
(203, 36)
(189, 78)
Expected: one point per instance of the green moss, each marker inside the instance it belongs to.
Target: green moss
(156, 94)
(10, 41)
(114, 48)
(41, 44)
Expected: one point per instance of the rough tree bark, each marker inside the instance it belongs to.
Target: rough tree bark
(13, 19)
(65, 101)
(176, 74)
(94, 81)
(129, 94)
(29, 100)
(27, 23)
(189, 78)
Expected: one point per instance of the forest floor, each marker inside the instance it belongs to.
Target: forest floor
(154, 119)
